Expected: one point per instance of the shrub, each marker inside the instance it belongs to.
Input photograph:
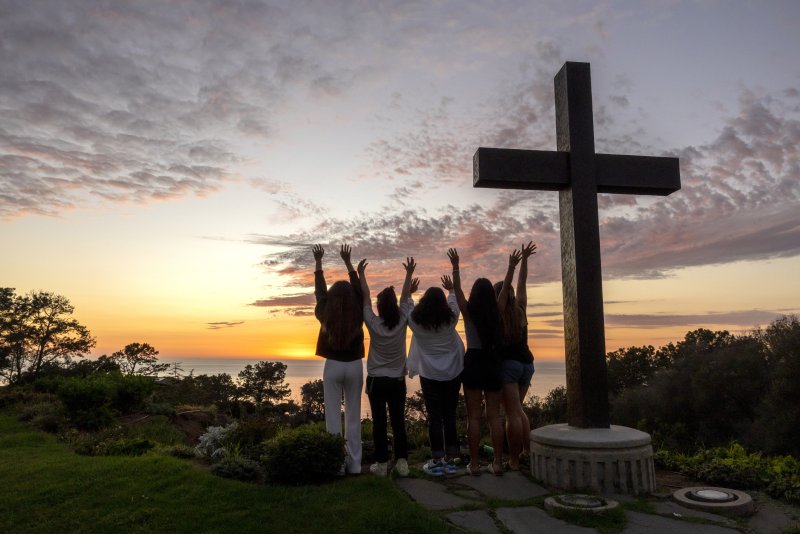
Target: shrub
(92, 402)
(734, 467)
(303, 455)
(111, 442)
(238, 468)
(160, 408)
(212, 444)
(124, 447)
(51, 422)
(251, 434)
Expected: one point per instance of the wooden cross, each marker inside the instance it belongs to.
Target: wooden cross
(578, 174)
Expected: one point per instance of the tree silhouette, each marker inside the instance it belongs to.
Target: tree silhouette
(37, 330)
(139, 359)
(264, 382)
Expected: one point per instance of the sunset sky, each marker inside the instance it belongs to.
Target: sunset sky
(167, 165)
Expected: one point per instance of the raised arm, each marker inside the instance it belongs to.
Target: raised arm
(345, 254)
(462, 300)
(409, 266)
(513, 260)
(522, 279)
(320, 289)
(362, 277)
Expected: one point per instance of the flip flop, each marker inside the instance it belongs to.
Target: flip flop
(474, 472)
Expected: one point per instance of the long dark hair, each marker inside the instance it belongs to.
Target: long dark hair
(342, 317)
(512, 316)
(387, 307)
(432, 310)
(483, 313)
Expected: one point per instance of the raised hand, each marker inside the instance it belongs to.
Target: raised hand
(453, 255)
(362, 266)
(447, 283)
(514, 258)
(410, 265)
(528, 250)
(345, 253)
(318, 252)
(414, 286)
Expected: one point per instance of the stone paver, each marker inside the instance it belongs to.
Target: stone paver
(431, 495)
(639, 523)
(530, 519)
(474, 521)
(511, 485)
(771, 518)
(669, 508)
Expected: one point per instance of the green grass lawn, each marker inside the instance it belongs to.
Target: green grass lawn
(45, 487)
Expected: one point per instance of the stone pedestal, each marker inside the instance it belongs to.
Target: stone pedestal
(604, 460)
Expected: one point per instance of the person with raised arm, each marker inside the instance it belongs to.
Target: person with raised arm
(437, 354)
(482, 375)
(341, 342)
(386, 371)
(517, 359)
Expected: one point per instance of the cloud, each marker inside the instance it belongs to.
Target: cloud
(125, 102)
(219, 325)
(302, 299)
(738, 200)
(743, 318)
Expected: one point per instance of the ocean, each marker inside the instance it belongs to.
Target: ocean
(548, 375)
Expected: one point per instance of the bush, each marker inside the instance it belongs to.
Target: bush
(238, 468)
(51, 422)
(251, 434)
(92, 402)
(734, 467)
(551, 410)
(112, 442)
(303, 455)
(212, 445)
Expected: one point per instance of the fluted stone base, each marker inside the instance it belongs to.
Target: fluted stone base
(604, 460)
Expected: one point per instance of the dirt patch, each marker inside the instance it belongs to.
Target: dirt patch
(194, 423)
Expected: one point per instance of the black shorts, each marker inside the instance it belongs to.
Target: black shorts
(482, 371)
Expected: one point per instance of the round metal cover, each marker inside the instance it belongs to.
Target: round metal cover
(581, 501)
(711, 495)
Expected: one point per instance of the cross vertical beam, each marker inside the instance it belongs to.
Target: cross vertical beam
(578, 174)
(582, 281)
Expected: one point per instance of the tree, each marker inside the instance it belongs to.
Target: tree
(264, 382)
(37, 330)
(632, 367)
(312, 402)
(139, 355)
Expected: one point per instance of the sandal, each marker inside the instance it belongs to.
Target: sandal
(474, 472)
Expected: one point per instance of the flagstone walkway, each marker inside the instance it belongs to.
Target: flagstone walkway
(514, 503)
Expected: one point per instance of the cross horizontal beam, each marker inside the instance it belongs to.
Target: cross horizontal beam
(510, 168)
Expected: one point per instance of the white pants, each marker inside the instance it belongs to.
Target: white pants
(348, 378)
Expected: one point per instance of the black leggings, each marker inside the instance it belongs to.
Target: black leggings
(383, 392)
(441, 402)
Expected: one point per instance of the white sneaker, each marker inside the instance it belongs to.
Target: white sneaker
(434, 467)
(379, 468)
(401, 467)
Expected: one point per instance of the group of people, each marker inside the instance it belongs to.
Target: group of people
(495, 368)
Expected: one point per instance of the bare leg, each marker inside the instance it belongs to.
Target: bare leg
(493, 400)
(513, 423)
(526, 423)
(473, 398)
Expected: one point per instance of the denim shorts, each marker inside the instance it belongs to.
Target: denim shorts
(515, 372)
